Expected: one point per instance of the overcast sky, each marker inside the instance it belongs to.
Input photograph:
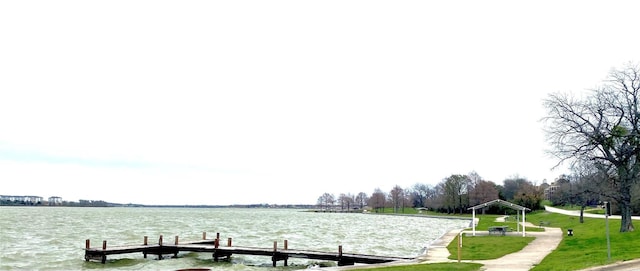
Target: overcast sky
(237, 102)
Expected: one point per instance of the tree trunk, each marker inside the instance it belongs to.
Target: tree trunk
(626, 224)
(582, 213)
(626, 179)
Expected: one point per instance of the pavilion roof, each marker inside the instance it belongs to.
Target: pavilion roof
(501, 202)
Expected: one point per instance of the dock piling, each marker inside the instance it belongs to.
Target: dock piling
(104, 245)
(229, 242)
(146, 240)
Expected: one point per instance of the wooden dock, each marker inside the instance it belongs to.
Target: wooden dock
(224, 252)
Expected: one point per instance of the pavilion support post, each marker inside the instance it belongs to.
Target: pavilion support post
(473, 222)
(523, 221)
(517, 222)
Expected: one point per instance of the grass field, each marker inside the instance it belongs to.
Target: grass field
(487, 247)
(588, 246)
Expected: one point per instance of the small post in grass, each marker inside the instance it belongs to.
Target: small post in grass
(460, 246)
(607, 206)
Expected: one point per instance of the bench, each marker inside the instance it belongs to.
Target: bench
(502, 230)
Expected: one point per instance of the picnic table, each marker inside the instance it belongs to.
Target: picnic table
(498, 230)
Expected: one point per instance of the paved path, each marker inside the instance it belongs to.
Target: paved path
(577, 213)
(524, 259)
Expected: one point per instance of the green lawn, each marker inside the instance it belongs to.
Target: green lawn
(588, 246)
(431, 267)
(487, 247)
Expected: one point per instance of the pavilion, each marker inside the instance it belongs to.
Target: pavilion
(503, 203)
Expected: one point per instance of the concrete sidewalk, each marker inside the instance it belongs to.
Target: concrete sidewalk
(524, 259)
(577, 213)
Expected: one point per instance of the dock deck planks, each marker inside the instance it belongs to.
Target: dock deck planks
(208, 246)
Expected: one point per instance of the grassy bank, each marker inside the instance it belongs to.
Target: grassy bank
(588, 246)
(487, 247)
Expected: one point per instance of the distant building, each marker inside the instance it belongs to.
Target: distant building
(28, 200)
(550, 191)
(33, 199)
(55, 201)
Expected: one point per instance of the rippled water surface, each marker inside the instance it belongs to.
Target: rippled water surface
(53, 238)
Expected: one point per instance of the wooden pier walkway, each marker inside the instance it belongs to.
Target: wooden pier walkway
(225, 252)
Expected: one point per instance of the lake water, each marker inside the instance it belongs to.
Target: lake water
(53, 238)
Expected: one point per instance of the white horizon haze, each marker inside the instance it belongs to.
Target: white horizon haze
(279, 102)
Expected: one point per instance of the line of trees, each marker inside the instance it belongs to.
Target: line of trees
(454, 194)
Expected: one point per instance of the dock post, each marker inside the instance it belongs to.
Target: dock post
(286, 258)
(229, 242)
(204, 235)
(160, 240)
(216, 244)
(104, 256)
(175, 254)
(87, 245)
(145, 242)
(217, 235)
(344, 261)
(275, 257)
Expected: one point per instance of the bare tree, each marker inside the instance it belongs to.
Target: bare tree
(396, 196)
(472, 182)
(484, 191)
(587, 185)
(420, 193)
(377, 200)
(455, 188)
(345, 200)
(361, 199)
(326, 201)
(602, 129)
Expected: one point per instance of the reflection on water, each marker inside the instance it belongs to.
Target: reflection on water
(53, 238)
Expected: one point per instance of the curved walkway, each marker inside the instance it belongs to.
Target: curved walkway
(577, 213)
(524, 259)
